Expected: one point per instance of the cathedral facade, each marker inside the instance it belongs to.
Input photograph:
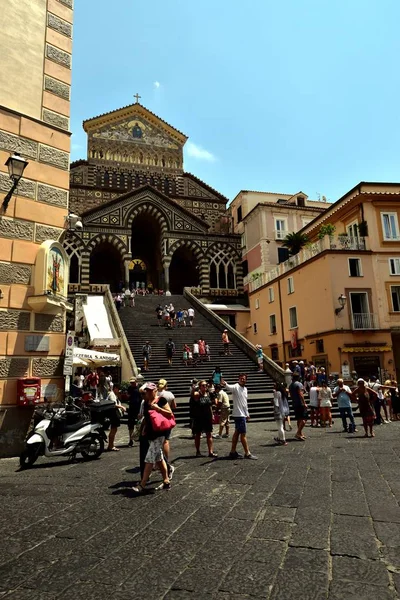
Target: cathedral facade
(147, 222)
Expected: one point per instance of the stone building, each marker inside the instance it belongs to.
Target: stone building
(35, 78)
(146, 222)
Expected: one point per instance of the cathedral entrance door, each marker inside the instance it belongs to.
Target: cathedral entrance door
(137, 274)
(146, 244)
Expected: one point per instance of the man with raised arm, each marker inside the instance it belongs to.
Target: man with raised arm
(240, 414)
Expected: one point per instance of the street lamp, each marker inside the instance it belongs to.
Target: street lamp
(342, 301)
(16, 166)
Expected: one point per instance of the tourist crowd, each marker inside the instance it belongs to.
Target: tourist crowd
(151, 410)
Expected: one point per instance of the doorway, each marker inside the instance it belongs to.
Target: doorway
(137, 274)
(146, 245)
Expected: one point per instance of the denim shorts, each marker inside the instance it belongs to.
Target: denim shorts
(240, 424)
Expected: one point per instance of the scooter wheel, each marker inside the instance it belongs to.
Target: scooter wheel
(94, 446)
(29, 456)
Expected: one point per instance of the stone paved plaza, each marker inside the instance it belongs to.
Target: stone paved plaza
(312, 520)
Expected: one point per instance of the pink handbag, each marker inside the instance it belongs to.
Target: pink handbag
(161, 424)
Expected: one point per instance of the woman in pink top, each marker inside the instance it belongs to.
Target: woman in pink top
(202, 349)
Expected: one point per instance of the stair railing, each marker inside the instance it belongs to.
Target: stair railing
(270, 367)
(128, 364)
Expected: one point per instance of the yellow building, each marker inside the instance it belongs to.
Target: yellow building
(337, 302)
(35, 79)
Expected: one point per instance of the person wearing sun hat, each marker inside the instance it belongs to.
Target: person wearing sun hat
(163, 392)
(154, 454)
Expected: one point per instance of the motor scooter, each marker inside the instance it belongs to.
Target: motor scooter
(64, 431)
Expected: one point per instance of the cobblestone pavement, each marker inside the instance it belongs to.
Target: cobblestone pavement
(312, 520)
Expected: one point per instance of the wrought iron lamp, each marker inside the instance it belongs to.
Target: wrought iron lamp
(342, 301)
(16, 166)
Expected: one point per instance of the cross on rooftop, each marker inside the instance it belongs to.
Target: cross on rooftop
(137, 97)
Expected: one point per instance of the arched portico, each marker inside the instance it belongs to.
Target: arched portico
(183, 270)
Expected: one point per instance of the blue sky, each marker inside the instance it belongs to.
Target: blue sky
(274, 96)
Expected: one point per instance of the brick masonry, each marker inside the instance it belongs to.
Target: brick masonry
(47, 367)
(25, 188)
(15, 273)
(52, 195)
(14, 320)
(56, 87)
(69, 3)
(54, 323)
(14, 228)
(13, 367)
(45, 232)
(13, 143)
(59, 56)
(59, 25)
(55, 119)
(55, 157)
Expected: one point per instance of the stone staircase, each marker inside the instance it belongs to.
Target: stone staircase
(141, 324)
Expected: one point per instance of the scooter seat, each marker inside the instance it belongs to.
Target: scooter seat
(74, 426)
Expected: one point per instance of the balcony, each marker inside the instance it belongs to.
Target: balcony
(364, 321)
(280, 234)
(340, 242)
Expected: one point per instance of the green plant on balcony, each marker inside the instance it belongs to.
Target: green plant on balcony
(255, 276)
(327, 229)
(363, 229)
(295, 242)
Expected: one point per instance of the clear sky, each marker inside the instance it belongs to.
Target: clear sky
(274, 96)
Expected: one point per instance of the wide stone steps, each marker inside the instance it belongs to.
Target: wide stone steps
(140, 324)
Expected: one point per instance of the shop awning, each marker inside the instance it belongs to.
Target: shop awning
(96, 359)
(368, 349)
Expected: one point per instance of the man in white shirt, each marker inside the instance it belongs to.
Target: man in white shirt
(343, 395)
(191, 316)
(240, 414)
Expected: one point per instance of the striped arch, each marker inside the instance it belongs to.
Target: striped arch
(153, 211)
(195, 248)
(110, 239)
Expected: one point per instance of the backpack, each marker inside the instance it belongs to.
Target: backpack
(170, 346)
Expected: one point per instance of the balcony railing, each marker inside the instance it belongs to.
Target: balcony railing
(364, 321)
(340, 242)
(280, 234)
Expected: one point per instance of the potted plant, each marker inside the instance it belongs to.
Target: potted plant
(363, 229)
(295, 242)
(327, 229)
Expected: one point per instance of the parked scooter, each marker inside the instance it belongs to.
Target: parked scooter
(64, 431)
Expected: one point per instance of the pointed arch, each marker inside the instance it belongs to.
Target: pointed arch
(223, 260)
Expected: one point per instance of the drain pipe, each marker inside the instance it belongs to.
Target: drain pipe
(280, 309)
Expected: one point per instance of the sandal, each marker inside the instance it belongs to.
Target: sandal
(113, 449)
(212, 455)
(138, 489)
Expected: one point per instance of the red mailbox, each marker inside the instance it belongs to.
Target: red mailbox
(28, 391)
